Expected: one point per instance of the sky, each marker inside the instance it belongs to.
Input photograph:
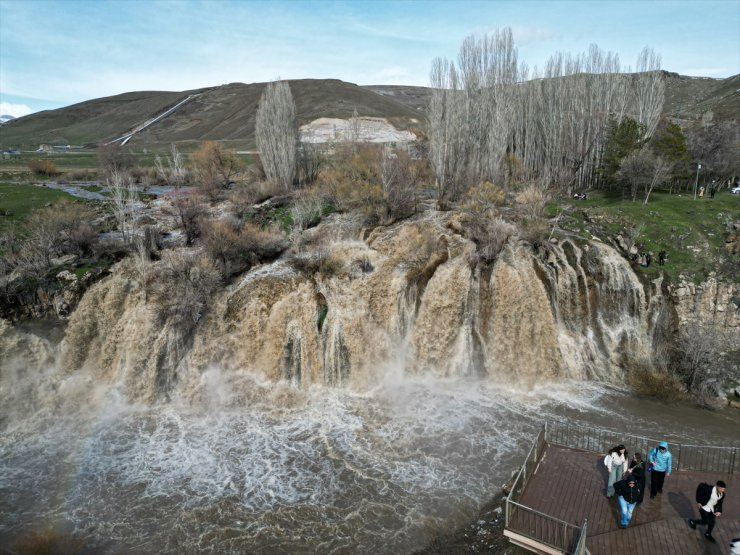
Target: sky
(54, 53)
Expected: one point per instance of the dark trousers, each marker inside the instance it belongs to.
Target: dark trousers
(708, 519)
(656, 482)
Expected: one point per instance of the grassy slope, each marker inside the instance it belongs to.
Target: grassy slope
(661, 224)
(227, 113)
(88, 121)
(17, 201)
(220, 113)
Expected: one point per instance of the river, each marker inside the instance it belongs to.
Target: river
(257, 467)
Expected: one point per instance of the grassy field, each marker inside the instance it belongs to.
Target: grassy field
(18, 201)
(13, 167)
(691, 231)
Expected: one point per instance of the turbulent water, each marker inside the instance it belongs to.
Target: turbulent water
(353, 412)
(262, 468)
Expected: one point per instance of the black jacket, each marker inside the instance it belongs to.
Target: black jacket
(704, 494)
(630, 494)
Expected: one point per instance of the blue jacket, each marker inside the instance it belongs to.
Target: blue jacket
(662, 462)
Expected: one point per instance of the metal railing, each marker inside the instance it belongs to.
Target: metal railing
(533, 524)
(546, 529)
(581, 545)
(525, 472)
(570, 538)
(700, 458)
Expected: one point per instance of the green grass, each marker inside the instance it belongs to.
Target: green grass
(661, 224)
(18, 201)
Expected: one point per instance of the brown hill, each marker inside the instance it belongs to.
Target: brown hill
(227, 113)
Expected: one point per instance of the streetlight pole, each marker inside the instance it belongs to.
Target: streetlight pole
(696, 181)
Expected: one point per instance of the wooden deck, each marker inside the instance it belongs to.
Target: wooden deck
(570, 484)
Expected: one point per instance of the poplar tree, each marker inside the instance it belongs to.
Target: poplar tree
(276, 133)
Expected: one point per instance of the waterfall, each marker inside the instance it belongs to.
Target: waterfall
(421, 303)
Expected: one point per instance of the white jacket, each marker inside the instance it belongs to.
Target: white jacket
(617, 459)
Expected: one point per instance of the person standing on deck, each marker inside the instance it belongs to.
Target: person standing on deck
(637, 469)
(616, 464)
(710, 501)
(629, 495)
(660, 463)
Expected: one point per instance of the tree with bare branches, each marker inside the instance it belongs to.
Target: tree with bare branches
(649, 90)
(276, 133)
(124, 198)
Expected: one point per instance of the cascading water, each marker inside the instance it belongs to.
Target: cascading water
(353, 412)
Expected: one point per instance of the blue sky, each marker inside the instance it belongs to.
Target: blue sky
(58, 52)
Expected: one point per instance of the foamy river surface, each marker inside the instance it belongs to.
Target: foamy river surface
(252, 467)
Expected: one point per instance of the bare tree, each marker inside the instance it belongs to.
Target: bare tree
(661, 172)
(446, 131)
(703, 364)
(276, 133)
(175, 172)
(636, 171)
(124, 198)
(649, 90)
(472, 112)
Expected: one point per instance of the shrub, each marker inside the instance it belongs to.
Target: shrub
(182, 284)
(490, 235)
(378, 181)
(307, 209)
(703, 360)
(235, 247)
(49, 232)
(188, 211)
(215, 165)
(531, 200)
(244, 197)
(81, 175)
(646, 379)
(317, 261)
(484, 198)
(42, 167)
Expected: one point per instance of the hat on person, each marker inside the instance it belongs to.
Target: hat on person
(630, 478)
(663, 444)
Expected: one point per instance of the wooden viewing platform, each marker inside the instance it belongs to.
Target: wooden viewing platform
(558, 502)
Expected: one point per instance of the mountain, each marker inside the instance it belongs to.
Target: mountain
(686, 97)
(227, 113)
(6, 118)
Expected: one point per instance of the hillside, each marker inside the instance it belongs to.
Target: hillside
(685, 97)
(227, 113)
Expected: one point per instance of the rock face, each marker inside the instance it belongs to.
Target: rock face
(364, 129)
(38, 299)
(711, 302)
(409, 298)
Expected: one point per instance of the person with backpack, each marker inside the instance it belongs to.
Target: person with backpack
(629, 495)
(616, 463)
(710, 500)
(660, 464)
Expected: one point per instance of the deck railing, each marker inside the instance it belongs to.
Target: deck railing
(581, 545)
(533, 524)
(700, 458)
(570, 538)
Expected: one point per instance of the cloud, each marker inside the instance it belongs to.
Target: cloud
(15, 110)
(523, 35)
(531, 35)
